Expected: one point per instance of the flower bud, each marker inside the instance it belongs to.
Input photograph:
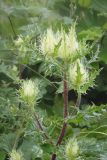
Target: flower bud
(29, 92)
(72, 149)
(16, 155)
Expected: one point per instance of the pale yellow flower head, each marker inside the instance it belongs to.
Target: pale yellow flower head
(16, 155)
(78, 74)
(48, 42)
(69, 44)
(72, 149)
(29, 92)
(66, 43)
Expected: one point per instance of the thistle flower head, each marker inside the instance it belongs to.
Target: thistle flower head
(69, 44)
(78, 74)
(29, 92)
(72, 149)
(48, 42)
(16, 155)
(66, 43)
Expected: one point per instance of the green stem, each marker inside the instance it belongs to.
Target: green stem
(78, 102)
(9, 18)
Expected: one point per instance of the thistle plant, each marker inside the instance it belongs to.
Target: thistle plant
(38, 121)
(29, 93)
(76, 74)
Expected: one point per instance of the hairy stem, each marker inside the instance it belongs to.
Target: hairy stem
(61, 136)
(40, 126)
(62, 133)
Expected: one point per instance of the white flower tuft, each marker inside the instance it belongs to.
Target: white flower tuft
(29, 92)
(48, 42)
(66, 43)
(69, 44)
(72, 149)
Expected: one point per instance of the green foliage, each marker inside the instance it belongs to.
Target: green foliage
(2, 155)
